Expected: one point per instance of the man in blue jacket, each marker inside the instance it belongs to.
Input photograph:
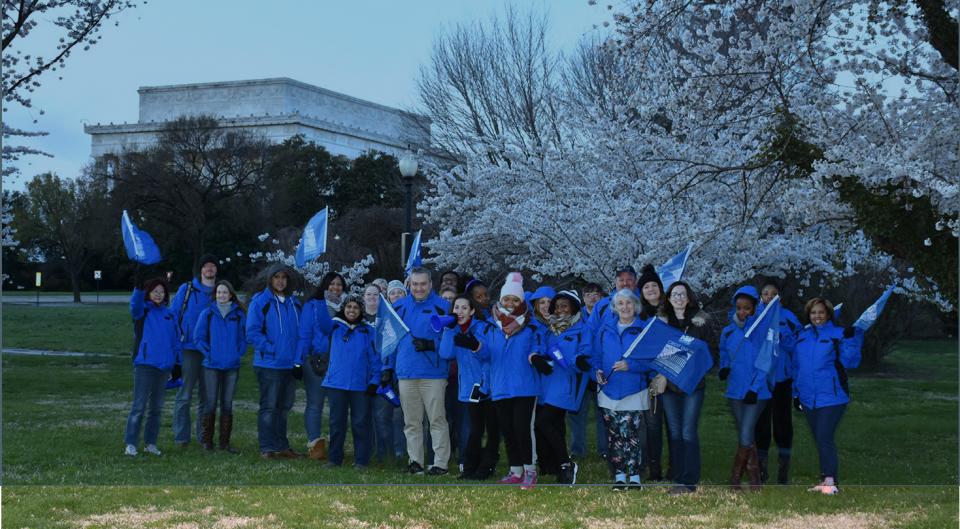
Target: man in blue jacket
(421, 373)
(192, 297)
(273, 329)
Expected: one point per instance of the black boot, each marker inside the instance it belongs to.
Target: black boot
(764, 475)
(783, 470)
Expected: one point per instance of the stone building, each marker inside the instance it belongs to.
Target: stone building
(273, 108)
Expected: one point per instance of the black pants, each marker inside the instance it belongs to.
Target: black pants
(654, 426)
(515, 416)
(778, 411)
(551, 433)
(477, 456)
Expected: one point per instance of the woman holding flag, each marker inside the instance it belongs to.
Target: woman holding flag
(747, 387)
(682, 409)
(822, 356)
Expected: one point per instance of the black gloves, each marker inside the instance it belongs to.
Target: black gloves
(750, 397)
(319, 365)
(386, 377)
(423, 344)
(297, 372)
(796, 404)
(467, 341)
(582, 363)
(849, 332)
(372, 390)
(724, 373)
(176, 372)
(540, 364)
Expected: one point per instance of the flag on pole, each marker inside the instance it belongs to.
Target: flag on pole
(679, 357)
(869, 316)
(138, 243)
(836, 312)
(764, 333)
(390, 329)
(415, 257)
(672, 271)
(314, 240)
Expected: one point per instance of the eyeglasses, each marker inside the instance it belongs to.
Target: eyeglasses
(678, 295)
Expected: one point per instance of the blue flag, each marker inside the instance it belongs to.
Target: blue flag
(391, 396)
(314, 239)
(764, 333)
(679, 357)
(869, 316)
(557, 357)
(390, 329)
(836, 312)
(138, 243)
(672, 271)
(415, 258)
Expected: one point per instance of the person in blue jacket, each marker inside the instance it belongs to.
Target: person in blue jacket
(577, 422)
(221, 337)
(604, 311)
(351, 379)
(421, 373)
(273, 329)
(158, 348)
(778, 411)
(564, 376)
(823, 354)
(191, 298)
(459, 342)
(623, 396)
(747, 388)
(510, 345)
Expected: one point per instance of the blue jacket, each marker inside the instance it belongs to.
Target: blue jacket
(511, 374)
(604, 312)
(611, 346)
(407, 362)
(222, 340)
(155, 333)
(820, 361)
(273, 329)
(201, 297)
(315, 327)
(565, 386)
(470, 369)
(789, 327)
(354, 360)
(740, 355)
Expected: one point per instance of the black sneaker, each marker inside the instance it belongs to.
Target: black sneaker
(436, 471)
(619, 486)
(415, 468)
(568, 473)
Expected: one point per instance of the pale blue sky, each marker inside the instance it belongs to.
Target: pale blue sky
(369, 49)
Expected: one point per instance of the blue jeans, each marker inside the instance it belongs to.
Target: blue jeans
(277, 391)
(313, 412)
(149, 385)
(358, 403)
(221, 385)
(383, 412)
(192, 365)
(577, 424)
(823, 423)
(745, 416)
(399, 439)
(682, 411)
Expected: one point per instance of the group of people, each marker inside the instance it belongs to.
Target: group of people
(472, 369)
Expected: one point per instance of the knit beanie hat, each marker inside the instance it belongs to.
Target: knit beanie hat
(649, 274)
(513, 286)
(395, 285)
(208, 258)
(568, 295)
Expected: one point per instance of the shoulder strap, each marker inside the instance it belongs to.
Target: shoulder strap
(209, 317)
(183, 306)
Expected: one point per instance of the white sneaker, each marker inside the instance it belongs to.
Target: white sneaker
(130, 450)
(829, 487)
(152, 449)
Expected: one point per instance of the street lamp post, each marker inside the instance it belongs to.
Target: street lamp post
(408, 169)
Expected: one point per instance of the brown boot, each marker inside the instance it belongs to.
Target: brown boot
(317, 449)
(226, 428)
(739, 462)
(753, 468)
(206, 436)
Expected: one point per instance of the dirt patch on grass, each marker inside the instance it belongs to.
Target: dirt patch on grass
(818, 521)
(127, 517)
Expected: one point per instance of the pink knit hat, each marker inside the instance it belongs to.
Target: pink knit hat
(513, 286)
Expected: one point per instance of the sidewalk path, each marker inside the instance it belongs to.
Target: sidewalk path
(41, 352)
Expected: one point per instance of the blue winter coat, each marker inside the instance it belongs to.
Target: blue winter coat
(740, 355)
(820, 361)
(315, 327)
(470, 369)
(511, 374)
(221, 339)
(789, 327)
(156, 336)
(354, 360)
(201, 297)
(407, 362)
(610, 348)
(273, 329)
(565, 386)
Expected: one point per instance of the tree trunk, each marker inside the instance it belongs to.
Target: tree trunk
(75, 282)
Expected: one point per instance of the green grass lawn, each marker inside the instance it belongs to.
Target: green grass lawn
(63, 420)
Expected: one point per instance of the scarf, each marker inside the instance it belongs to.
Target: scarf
(224, 308)
(559, 324)
(510, 322)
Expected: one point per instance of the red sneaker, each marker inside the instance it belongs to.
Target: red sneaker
(511, 479)
(529, 480)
